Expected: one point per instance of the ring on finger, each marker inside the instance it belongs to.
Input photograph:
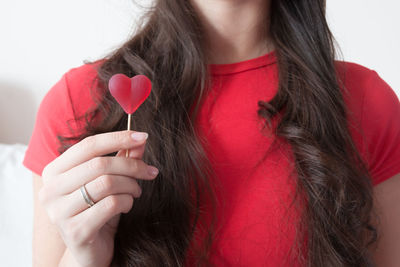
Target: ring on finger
(86, 196)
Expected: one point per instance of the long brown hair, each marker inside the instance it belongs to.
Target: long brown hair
(332, 178)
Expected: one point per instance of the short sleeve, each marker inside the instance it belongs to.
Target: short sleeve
(54, 111)
(381, 126)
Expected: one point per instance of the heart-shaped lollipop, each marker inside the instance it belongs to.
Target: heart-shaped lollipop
(130, 93)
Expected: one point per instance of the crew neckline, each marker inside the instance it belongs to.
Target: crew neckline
(266, 59)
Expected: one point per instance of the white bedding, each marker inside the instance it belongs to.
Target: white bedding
(16, 208)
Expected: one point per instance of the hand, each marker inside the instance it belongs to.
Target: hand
(110, 182)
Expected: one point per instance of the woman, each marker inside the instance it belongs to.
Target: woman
(265, 148)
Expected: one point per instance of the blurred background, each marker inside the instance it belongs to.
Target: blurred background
(43, 39)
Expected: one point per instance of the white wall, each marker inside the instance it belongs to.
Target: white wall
(42, 39)
(368, 33)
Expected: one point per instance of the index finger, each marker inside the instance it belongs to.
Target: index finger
(90, 147)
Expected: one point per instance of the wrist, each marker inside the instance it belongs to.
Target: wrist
(68, 260)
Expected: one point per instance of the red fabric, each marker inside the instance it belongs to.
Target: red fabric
(253, 192)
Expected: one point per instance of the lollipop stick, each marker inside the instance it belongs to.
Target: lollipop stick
(129, 127)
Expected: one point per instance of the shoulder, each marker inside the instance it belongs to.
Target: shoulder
(364, 91)
(364, 86)
(56, 116)
(354, 77)
(69, 98)
(373, 111)
(80, 85)
(80, 80)
(75, 83)
(352, 70)
(83, 75)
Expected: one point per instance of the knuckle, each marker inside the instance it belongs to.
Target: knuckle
(136, 189)
(119, 137)
(104, 184)
(46, 193)
(52, 213)
(99, 163)
(111, 203)
(89, 143)
(129, 205)
(44, 172)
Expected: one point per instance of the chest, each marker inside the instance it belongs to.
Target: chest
(254, 186)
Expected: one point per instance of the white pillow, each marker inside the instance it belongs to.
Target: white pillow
(16, 207)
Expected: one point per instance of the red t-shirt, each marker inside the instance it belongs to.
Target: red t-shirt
(254, 226)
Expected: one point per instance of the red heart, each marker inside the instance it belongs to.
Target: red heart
(130, 93)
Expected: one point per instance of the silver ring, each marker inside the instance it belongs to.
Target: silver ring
(86, 196)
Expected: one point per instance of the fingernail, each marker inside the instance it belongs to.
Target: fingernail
(139, 136)
(153, 171)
